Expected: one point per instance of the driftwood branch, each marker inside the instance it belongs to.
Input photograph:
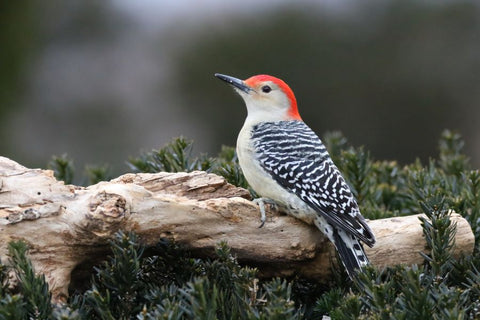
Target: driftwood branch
(68, 227)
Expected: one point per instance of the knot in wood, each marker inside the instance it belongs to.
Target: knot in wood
(109, 205)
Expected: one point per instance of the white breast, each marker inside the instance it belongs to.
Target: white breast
(264, 185)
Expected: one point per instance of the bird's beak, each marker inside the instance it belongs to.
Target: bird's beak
(237, 83)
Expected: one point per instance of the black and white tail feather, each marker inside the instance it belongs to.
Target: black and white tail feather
(296, 158)
(351, 252)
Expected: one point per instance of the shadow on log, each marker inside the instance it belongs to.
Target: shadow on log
(67, 226)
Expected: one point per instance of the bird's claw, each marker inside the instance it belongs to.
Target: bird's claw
(261, 205)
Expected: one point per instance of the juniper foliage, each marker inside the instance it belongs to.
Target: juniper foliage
(63, 168)
(166, 282)
(176, 156)
(33, 301)
(220, 288)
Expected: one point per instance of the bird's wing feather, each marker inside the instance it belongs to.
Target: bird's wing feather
(297, 159)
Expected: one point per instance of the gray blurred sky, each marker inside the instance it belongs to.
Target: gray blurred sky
(156, 14)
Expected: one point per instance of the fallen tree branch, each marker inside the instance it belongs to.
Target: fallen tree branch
(68, 227)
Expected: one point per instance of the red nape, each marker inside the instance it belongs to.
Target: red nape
(293, 112)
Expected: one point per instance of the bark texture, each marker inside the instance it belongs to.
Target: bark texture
(68, 227)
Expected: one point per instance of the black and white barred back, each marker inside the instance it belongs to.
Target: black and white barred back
(296, 158)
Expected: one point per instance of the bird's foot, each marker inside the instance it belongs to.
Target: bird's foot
(261, 204)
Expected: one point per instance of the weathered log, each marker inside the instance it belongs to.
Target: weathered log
(68, 227)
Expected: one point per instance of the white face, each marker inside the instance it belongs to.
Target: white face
(267, 100)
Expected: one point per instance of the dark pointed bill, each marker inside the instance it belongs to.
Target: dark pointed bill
(237, 83)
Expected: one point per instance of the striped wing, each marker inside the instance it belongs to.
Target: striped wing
(297, 159)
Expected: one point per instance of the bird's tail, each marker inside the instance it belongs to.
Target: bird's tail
(351, 252)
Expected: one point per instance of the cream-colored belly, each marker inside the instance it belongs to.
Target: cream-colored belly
(266, 187)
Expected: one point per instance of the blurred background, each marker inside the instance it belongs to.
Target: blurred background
(106, 80)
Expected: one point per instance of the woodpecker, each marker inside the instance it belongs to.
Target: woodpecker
(286, 163)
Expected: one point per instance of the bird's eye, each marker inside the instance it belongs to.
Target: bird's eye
(266, 89)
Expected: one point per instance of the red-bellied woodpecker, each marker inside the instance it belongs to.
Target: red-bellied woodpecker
(286, 163)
